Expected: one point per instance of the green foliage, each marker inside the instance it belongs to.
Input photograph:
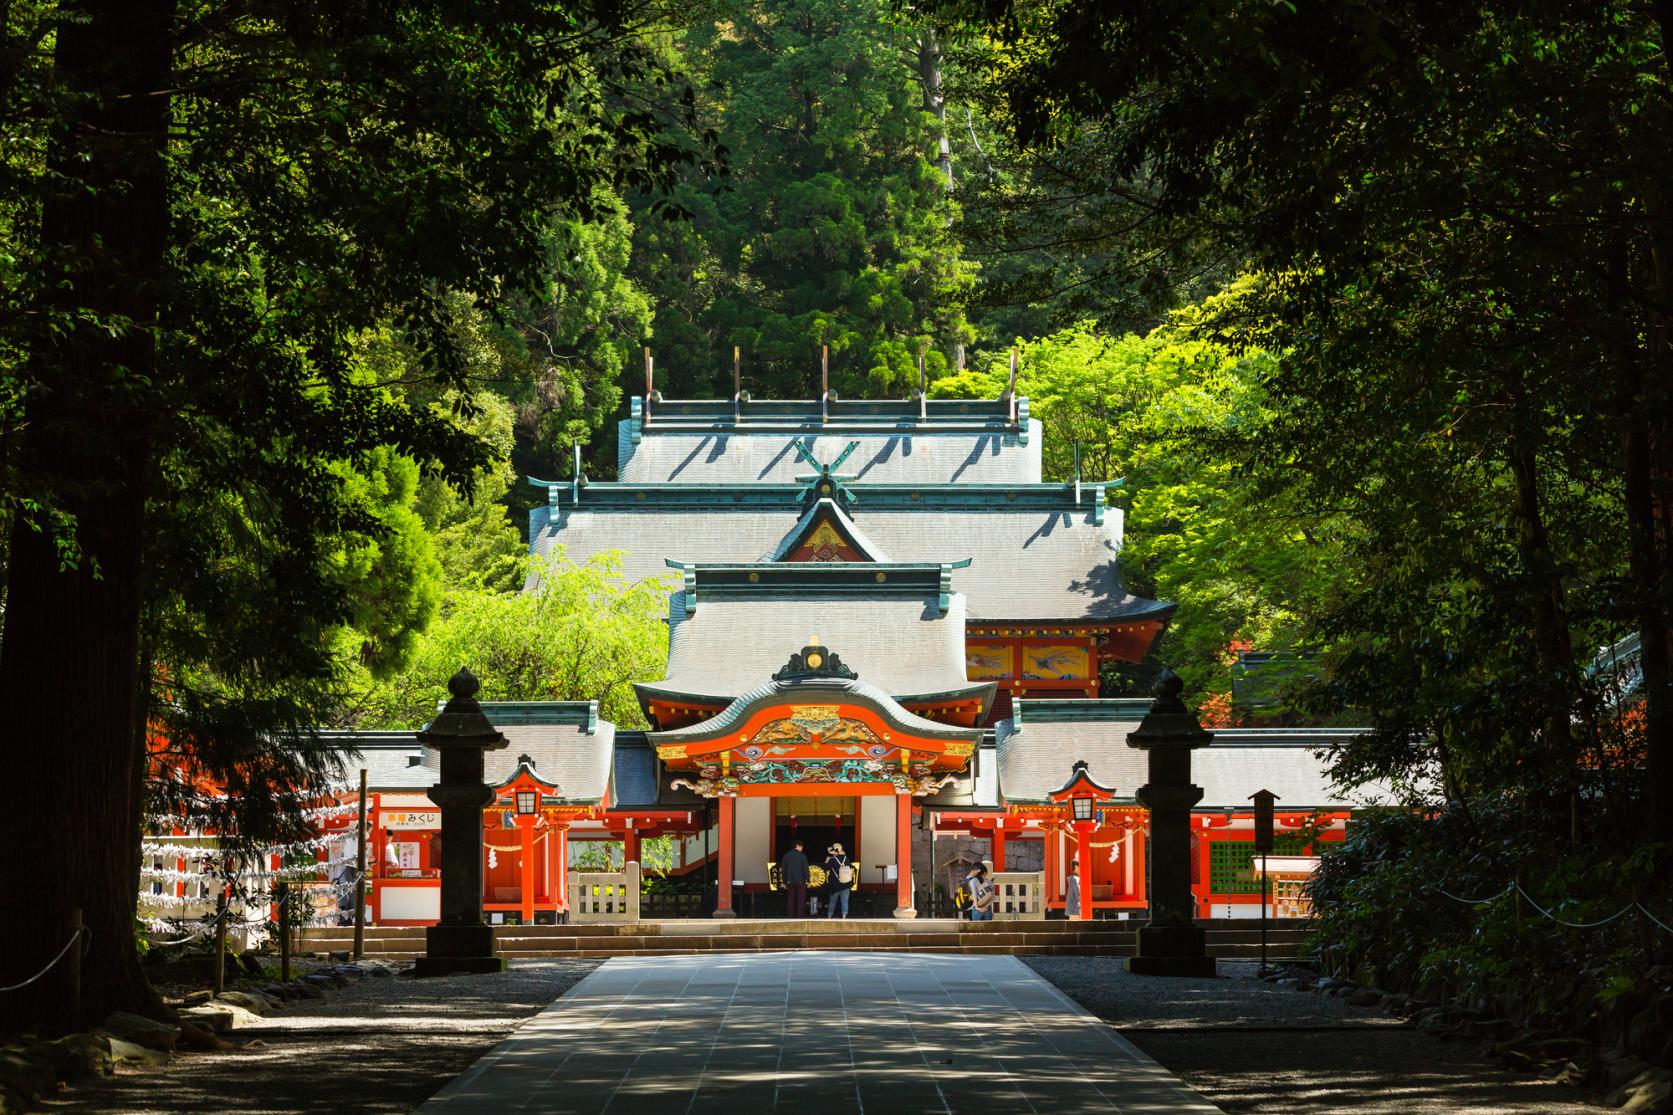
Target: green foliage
(833, 227)
(582, 632)
(1422, 903)
(1155, 412)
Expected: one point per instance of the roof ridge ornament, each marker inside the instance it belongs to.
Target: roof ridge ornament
(826, 482)
(814, 661)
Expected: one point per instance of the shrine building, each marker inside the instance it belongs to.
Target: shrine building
(885, 630)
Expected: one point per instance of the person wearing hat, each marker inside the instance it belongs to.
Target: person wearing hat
(981, 893)
(839, 874)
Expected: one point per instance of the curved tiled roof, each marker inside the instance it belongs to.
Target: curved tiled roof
(1037, 755)
(904, 646)
(815, 689)
(1025, 563)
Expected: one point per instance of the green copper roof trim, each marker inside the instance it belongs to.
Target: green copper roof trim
(582, 714)
(802, 580)
(788, 497)
(1043, 710)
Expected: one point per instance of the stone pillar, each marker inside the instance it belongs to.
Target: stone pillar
(1172, 944)
(903, 857)
(723, 862)
(460, 941)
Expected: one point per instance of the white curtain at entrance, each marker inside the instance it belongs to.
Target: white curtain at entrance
(877, 835)
(753, 819)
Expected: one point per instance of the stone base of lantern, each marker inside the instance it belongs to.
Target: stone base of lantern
(1172, 950)
(450, 949)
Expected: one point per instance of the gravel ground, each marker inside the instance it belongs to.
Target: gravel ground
(1248, 1046)
(380, 1045)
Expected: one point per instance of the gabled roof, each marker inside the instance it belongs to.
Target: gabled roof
(902, 641)
(1036, 554)
(826, 511)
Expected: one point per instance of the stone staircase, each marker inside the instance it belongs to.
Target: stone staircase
(1286, 940)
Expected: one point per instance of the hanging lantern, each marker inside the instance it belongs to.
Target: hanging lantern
(792, 822)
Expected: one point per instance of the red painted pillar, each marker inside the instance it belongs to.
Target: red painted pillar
(560, 833)
(630, 845)
(1141, 891)
(525, 884)
(1083, 852)
(903, 857)
(1053, 892)
(723, 861)
(998, 846)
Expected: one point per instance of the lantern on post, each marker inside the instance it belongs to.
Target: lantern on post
(1172, 944)
(1083, 795)
(461, 733)
(527, 789)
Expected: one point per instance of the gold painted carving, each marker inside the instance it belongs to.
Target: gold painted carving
(961, 747)
(806, 721)
(671, 751)
(813, 716)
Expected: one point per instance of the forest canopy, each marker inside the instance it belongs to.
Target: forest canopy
(1365, 307)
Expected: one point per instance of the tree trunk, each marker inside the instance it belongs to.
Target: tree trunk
(929, 78)
(68, 664)
(1553, 639)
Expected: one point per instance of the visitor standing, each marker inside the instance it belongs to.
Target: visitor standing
(839, 874)
(981, 893)
(1072, 906)
(794, 869)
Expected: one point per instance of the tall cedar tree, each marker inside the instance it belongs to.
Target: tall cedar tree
(834, 227)
(224, 199)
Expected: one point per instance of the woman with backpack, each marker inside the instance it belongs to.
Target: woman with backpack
(839, 874)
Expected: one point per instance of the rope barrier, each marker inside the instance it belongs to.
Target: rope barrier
(1627, 909)
(74, 937)
(1652, 917)
(1518, 888)
(1494, 897)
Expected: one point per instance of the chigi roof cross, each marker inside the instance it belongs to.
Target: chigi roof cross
(826, 483)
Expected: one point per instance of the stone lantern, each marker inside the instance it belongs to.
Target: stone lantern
(461, 732)
(1172, 944)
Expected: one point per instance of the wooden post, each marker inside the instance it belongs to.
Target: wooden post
(284, 932)
(73, 963)
(1011, 389)
(824, 381)
(998, 845)
(561, 835)
(649, 380)
(903, 857)
(1083, 852)
(525, 874)
(723, 865)
(360, 874)
(923, 387)
(221, 940)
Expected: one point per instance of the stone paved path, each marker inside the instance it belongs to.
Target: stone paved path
(814, 1032)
